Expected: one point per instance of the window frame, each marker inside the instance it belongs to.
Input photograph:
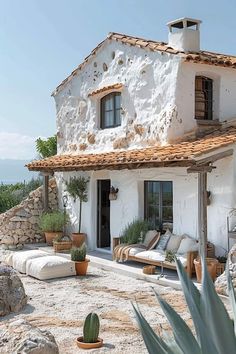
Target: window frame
(208, 99)
(113, 94)
(160, 204)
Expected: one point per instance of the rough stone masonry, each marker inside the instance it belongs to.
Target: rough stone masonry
(20, 224)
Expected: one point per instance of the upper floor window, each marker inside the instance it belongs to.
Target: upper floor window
(203, 98)
(111, 110)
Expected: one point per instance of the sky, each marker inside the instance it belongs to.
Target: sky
(42, 41)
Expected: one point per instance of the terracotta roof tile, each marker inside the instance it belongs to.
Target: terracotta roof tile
(179, 154)
(106, 88)
(204, 57)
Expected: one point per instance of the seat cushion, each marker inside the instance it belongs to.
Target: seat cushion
(153, 255)
(174, 243)
(182, 258)
(150, 238)
(50, 267)
(186, 245)
(19, 259)
(134, 250)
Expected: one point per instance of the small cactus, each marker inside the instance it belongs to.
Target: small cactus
(78, 254)
(91, 328)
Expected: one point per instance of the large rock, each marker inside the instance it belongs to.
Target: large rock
(20, 337)
(221, 282)
(12, 292)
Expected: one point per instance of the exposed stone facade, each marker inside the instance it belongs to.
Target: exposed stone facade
(20, 224)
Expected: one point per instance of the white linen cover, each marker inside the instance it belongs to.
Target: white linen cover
(50, 267)
(19, 259)
(158, 256)
(134, 250)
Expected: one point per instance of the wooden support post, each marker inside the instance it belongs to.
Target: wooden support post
(202, 212)
(45, 191)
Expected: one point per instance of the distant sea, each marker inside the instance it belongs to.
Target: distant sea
(13, 171)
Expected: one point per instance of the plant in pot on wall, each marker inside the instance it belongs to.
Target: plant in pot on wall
(78, 255)
(77, 187)
(90, 339)
(52, 225)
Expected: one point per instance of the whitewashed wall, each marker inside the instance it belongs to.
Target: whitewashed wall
(148, 100)
(224, 88)
(129, 204)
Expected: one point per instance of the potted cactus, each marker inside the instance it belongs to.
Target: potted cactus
(90, 339)
(78, 255)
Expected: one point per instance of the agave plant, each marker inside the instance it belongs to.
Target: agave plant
(215, 331)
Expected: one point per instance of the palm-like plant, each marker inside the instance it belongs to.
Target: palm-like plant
(77, 187)
(215, 331)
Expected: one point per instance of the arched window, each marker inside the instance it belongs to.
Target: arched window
(203, 98)
(110, 110)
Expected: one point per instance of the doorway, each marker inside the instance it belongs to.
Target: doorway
(103, 214)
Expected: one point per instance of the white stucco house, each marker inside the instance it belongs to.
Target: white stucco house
(157, 121)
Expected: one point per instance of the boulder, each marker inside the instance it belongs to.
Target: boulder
(221, 282)
(20, 337)
(12, 292)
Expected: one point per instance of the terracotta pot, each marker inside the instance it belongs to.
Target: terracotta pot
(62, 246)
(84, 345)
(50, 236)
(211, 267)
(78, 239)
(81, 267)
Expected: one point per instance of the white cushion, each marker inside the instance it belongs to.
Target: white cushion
(186, 245)
(153, 255)
(134, 250)
(150, 235)
(50, 267)
(182, 258)
(174, 243)
(19, 259)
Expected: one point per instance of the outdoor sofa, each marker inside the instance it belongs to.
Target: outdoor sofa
(154, 250)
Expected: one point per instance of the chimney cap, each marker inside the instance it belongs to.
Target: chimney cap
(184, 22)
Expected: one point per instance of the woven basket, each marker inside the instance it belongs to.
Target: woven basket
(62, 246)
(149, 269)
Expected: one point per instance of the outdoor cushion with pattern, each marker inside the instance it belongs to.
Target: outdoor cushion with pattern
(174, 243)
(162, 243)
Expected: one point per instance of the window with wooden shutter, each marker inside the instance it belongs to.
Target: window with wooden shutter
(203, 98)
(111, 110)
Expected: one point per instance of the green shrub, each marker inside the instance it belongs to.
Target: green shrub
(135, 231)
(13, 194)
(53, 221)
(78, 254)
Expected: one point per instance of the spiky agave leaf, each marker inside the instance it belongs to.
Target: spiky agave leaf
(154, 343)
(216, 317)
(212, 323)
(182, 333)
(193, 299)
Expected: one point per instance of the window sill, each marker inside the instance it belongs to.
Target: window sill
(212, 122)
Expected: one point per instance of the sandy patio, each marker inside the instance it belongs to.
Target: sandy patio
(61, 306)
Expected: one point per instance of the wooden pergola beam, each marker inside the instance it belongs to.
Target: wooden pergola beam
(215, 157)
(46, 176)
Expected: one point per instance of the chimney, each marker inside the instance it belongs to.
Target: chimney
(184, 34)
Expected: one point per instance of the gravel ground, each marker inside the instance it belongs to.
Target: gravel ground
(61, 305)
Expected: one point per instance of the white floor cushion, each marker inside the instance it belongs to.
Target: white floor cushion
(19, 259)
(7, 258)
(50, 267)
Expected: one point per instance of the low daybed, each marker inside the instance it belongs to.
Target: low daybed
(184, 247)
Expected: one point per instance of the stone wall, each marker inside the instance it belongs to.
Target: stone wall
(20, 224)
